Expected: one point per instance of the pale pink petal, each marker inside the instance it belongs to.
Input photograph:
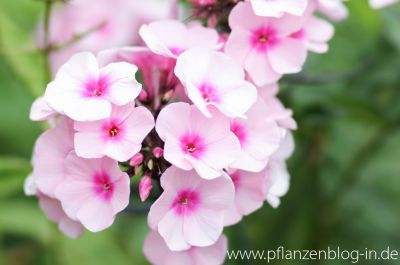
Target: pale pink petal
(203, 228)
(381, 3)
(120, 199)
(277, 182)
(40, 110)
(287, 57)
(260, 70)
(53, 210)
(238, 100)
(89, 109)
(71, 228)
(163, 36)
(214, 79)
(89, 145)
(139, 124)
(287, 147)
(171, 229)
(336, 10)
(243, 16)
(204, 169)
(159, 209)
(78, 68)
(173, 154)
(222, 152)
(279, 7)
(238, 45)
(96, 215)
(122, 85)
(168, 124)
(217, 193)
(50, 154)
(155, 249)
(198, 36)
(212, 255)
(30, 187)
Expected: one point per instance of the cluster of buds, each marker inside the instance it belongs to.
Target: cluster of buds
(195, 111)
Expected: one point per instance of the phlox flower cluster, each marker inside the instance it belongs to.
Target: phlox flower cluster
(195, 111)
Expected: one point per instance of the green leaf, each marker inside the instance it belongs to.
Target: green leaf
(24, 218)
(13, 172)
(17, 47)
(391, 18)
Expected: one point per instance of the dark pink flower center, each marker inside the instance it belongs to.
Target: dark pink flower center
(298, 34)
(103, 185)
(96, 87)
(263, 38)
(209, 93)
(186, 202)
(240, 131)
(176, 51)
(235, 179)
(192, 144)
(113, 130)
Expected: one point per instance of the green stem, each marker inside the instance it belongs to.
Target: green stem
(47, 50)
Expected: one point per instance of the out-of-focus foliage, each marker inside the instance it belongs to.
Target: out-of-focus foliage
(345, 188)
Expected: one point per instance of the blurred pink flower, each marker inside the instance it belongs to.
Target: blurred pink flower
(171, 37)
(315, 32)
(213, 79)
(41, 111)
(263, 45)
(94, 191)
(100, 24)
(277, 8)
(203, 2)
(84, 92)
(377, 4)
(190, 211)
(194, 141)
(276, 109)
(158, 253)
(277, 176)
(336, 10)
(119, 137)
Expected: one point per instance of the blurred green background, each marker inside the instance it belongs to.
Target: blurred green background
(345, 188)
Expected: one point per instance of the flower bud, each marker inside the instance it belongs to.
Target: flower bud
(158, 152)
(168, 95)
(150, 164)
(202, 2)
(136, 160)
(143, 96)
(145, 186)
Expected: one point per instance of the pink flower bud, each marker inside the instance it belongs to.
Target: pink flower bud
(203, 2)
(143, 96)
(145, 186)
(136, 160)
(158, 152)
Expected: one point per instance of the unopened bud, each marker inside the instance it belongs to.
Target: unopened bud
(136, 160)
(168, 95)
(145, 186)
(150, 164)
(143, 96)
(158, 152)
(202, 2)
